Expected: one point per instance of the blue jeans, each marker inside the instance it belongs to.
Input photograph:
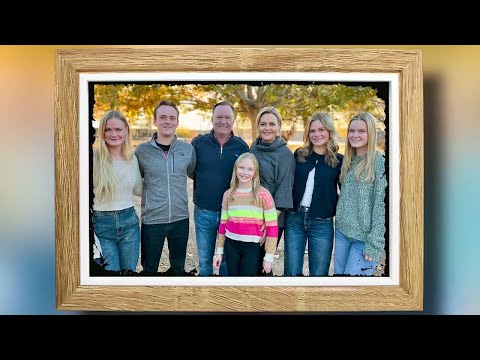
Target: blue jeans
(119, 236)
(300, 227)
(348, 258)
(206, 228)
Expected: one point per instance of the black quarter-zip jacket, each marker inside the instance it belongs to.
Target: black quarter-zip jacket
(214, 167)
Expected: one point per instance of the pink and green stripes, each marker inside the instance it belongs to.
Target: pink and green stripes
(242, 220)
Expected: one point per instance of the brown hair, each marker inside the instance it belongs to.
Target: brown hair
(165, 103)
(224, 103)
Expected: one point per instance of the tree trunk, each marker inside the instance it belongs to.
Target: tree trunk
(253, 130)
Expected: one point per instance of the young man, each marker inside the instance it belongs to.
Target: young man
(165, 162)
(216, 153)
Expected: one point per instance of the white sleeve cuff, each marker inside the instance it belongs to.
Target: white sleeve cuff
(269, 257)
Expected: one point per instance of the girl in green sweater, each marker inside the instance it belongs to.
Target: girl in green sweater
(360, 216)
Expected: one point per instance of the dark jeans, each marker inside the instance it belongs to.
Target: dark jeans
(262, 255)
(153, 237)
(241, 257)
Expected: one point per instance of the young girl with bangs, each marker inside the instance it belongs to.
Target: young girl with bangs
(247, 208)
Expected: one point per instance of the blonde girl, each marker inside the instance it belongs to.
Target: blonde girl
(317, 173)
(360, 219)
(247, 208)
(116, 177)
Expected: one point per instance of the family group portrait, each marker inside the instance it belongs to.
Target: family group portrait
(239, 178)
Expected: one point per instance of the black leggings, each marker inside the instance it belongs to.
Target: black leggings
(241, 257)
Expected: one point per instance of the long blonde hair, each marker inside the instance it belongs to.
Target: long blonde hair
(104, 182)
(256, 178)
(332, 147)
(367, 164)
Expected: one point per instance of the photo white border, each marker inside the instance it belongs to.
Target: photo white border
(393, 179)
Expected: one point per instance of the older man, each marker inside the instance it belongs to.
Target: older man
(216, 153)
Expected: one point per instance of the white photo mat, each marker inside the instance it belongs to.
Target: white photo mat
(393, 143)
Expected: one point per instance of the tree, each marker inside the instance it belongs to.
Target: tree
(295, 102)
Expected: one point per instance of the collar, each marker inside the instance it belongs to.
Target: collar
(222, 143)
(155, 136)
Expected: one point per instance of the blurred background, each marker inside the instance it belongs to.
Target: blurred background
(452, 173)
(295, 102)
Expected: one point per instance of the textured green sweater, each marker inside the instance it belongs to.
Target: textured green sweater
(361, 207)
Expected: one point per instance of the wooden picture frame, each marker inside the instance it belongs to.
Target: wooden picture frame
(71, 295)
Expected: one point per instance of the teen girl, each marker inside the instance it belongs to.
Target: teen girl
(116, 177)
(360, 219)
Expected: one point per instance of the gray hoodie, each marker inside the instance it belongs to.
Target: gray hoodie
(165, 198)
(277, 171)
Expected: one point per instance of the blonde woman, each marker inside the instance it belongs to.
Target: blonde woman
(116, 177)
(314, 199)
(360, 219)
(247, 208)
(277, 167)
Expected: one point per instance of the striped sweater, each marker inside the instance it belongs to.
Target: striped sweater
(242, 219)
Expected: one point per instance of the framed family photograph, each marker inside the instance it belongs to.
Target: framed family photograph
(263, 179)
